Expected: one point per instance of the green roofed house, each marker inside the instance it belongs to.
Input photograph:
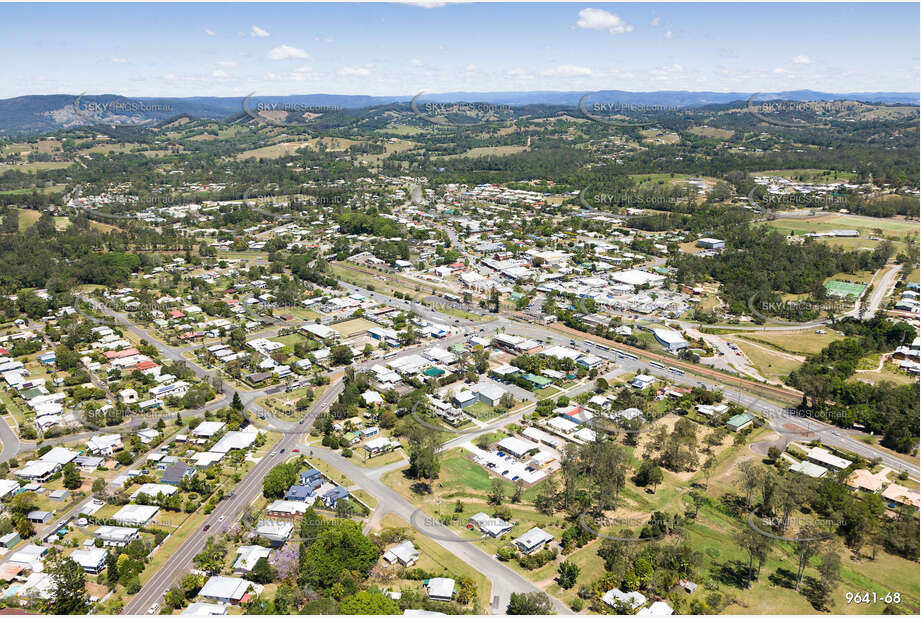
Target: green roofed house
(740, 422)
(458, 348)
(31, 393)
(434, 372)
(538, 381)
(352, 437)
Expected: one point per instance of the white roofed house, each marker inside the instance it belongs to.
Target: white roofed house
(91, 560)
(105, 444)
(136, 514)
(533, 540)
(228, 590)
(441, 588)
(406, 553)
(247, 556)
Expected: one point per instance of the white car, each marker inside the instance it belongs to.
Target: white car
(220, 519)
(153, 608)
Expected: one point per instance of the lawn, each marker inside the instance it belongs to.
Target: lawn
(771, 366)
(824, 223)
(433, 557)
(351, 327)
(795, 342)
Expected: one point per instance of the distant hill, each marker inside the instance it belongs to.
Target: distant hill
(33, 114)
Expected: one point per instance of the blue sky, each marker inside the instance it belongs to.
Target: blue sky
(400, 49)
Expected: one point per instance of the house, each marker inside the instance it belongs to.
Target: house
(176, 473)
(208, 429)
(590, 361)
(440, 588)
(658, 608)
(642, 381)
(739, 422)
(227, 590)
(465, 399)
(148, 435)
(331, 497)
(823, 457)
(287, 509)
(493, 526)
(688, 585)
(615, 596)
(204, 609)
(372, 398)
(154, 489)
(247, 556)
(406, 553)
(379, 445)
(301, 492)
(489, 393)
(59, 455)
(30, 556)
(116, 536)
(8, 487)
(865, 480)
(533, 540)
(136, 514)
(308, 477)
(91, 560)
(128, 395)
(897, 494)
(10, 539)
(105, 444)
(809, 469)
(276, 532)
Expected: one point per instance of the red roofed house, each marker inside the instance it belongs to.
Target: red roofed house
(111, 354)
(175, 313)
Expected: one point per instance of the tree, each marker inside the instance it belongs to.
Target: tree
(529, 603)
(211, 558)
(262, 572)
(568, 573)
(276, 483)
(757, 545)
(339, 547)
(497, 492)
(69, 596)
(236, 403)
(72, 478)
(175, 599)
(368, 602)
(805, 548)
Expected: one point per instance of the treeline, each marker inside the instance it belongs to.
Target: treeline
(351, 222)
(885, 408)
(759, 262)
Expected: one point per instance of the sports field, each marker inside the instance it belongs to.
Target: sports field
(843, 288)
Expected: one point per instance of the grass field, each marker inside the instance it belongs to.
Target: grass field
(844, 288)
(824, 223)
(351, 327)
(795, 342)
(483, 151)
(435, 557)
(37, 166)
(810, 175)
(771, 366)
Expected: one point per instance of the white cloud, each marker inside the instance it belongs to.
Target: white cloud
(668, 34)
(470, 68)
(226, 63)
(286, 52)
(300, 74)
(426, 4)
(415, 62)
(801, 59)
(598, 19)
(257, 32)
(117, 60)
(518, 73)
(324, 39)
(209, 32)
(354, 72)
(568, 70)
(655, 21)
(218, 73)
(780, 71)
